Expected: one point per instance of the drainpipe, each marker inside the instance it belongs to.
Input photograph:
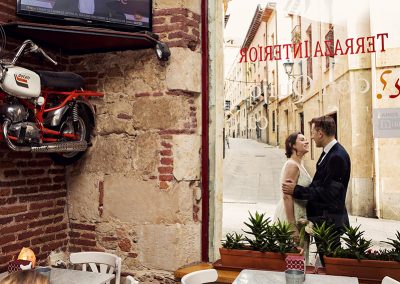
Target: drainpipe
(204, 134)
(376, 141)
(277, 82)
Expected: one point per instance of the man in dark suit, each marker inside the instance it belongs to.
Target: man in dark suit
(326, 195)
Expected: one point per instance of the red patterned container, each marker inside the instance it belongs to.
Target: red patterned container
(295, 262)
(15, 265)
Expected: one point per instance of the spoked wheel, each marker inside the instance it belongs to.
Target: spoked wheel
(84, 130)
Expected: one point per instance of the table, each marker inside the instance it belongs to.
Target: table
(68, 276)
(248, 276)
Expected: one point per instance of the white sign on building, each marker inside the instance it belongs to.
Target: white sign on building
(386, 123)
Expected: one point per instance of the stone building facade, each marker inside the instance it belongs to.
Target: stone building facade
(347, 87)
(136, 192)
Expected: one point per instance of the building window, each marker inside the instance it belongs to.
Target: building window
(301, 117)
(273, 121)
(310, 58)
(330, 36)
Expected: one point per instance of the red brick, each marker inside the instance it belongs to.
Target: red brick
(133, 254)
(13, 209)
(158, 94)
(13, 228)
(89, 243)
(178, 18)
(59, 179)
(73, 234)
(170, 12)
(41, 205)
(55, 211)
(125, 245)
(6, 165)
(19, 155)
(52, 246)
(124, 116)
(61, 202)
(39, 181)
(6, 220)
(27, 216)
(164, 185)
(158, 20)
(15, 247)
(5, 239)
(5, 191)
(166, 153)
(29, 234)
(167, 161)
(86, 227)
(109, 239)
(166, 177)
(165, 170)
(43, 239)
(55, 229)
(143, 95)
(32, 172)
(56, 171)
(25, 190)
(166, 145)
(89, 236)
(61, 236)
(9, 201)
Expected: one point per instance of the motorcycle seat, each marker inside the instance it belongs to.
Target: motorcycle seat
(61, 80)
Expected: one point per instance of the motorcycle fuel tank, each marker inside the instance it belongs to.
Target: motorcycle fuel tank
(21, 82)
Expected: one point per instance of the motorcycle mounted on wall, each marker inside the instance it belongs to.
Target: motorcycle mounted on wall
(44, 111)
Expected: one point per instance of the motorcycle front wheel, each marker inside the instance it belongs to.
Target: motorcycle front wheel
(84, 131)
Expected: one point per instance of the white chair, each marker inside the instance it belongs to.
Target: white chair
(201, 276)
(107, 262)
(388, 280)
(131, 280)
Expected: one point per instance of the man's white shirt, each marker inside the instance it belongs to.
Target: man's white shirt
(327, 148)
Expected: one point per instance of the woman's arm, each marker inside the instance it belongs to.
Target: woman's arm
(291, 172)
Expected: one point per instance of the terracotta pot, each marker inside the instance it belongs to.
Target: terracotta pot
(368, 271)
(235, 258)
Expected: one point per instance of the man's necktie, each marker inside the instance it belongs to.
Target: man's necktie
(320, 157)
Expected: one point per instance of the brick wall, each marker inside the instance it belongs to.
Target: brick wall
(32, 205)
(32, 189)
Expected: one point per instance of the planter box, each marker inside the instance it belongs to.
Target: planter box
(235, 258)
(368, 271)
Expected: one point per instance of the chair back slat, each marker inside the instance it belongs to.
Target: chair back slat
(107, 262)
(93, 267)
(201, 276)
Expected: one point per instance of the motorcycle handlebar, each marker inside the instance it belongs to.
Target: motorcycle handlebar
(33, 48)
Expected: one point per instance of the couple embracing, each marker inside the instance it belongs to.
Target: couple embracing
(322, 198)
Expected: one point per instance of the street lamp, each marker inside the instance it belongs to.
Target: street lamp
(288, 65)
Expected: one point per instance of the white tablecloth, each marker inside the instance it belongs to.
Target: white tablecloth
(248, 276)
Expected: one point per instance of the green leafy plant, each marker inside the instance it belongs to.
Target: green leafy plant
(325, 237)
(233, 241)
(356, 246)
(284, 237)
(394, 254)
(259, 228)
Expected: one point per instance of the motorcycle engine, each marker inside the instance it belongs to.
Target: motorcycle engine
(32, 133)
(18, 116)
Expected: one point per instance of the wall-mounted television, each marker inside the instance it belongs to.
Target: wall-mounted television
(132, 15)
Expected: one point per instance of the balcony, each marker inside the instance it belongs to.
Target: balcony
(296, 34)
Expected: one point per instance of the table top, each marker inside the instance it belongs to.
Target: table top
(68, 276)
(248, 276)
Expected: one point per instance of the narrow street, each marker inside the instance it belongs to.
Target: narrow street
(251, 183)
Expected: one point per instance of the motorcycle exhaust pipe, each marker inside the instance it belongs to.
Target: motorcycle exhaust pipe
(73, 146)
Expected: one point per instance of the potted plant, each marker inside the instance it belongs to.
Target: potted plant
(265, 246)
(356, 258)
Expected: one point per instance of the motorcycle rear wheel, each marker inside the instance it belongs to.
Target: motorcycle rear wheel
(84, 130)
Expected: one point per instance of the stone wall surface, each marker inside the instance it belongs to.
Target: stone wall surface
(133, 194)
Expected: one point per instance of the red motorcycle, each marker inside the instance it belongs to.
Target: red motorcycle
(43, 111)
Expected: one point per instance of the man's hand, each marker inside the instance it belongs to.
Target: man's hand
(288, 187)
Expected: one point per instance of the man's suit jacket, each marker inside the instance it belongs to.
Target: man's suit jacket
(326, 194)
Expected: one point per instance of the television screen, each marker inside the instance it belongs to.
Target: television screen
(126, 14)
